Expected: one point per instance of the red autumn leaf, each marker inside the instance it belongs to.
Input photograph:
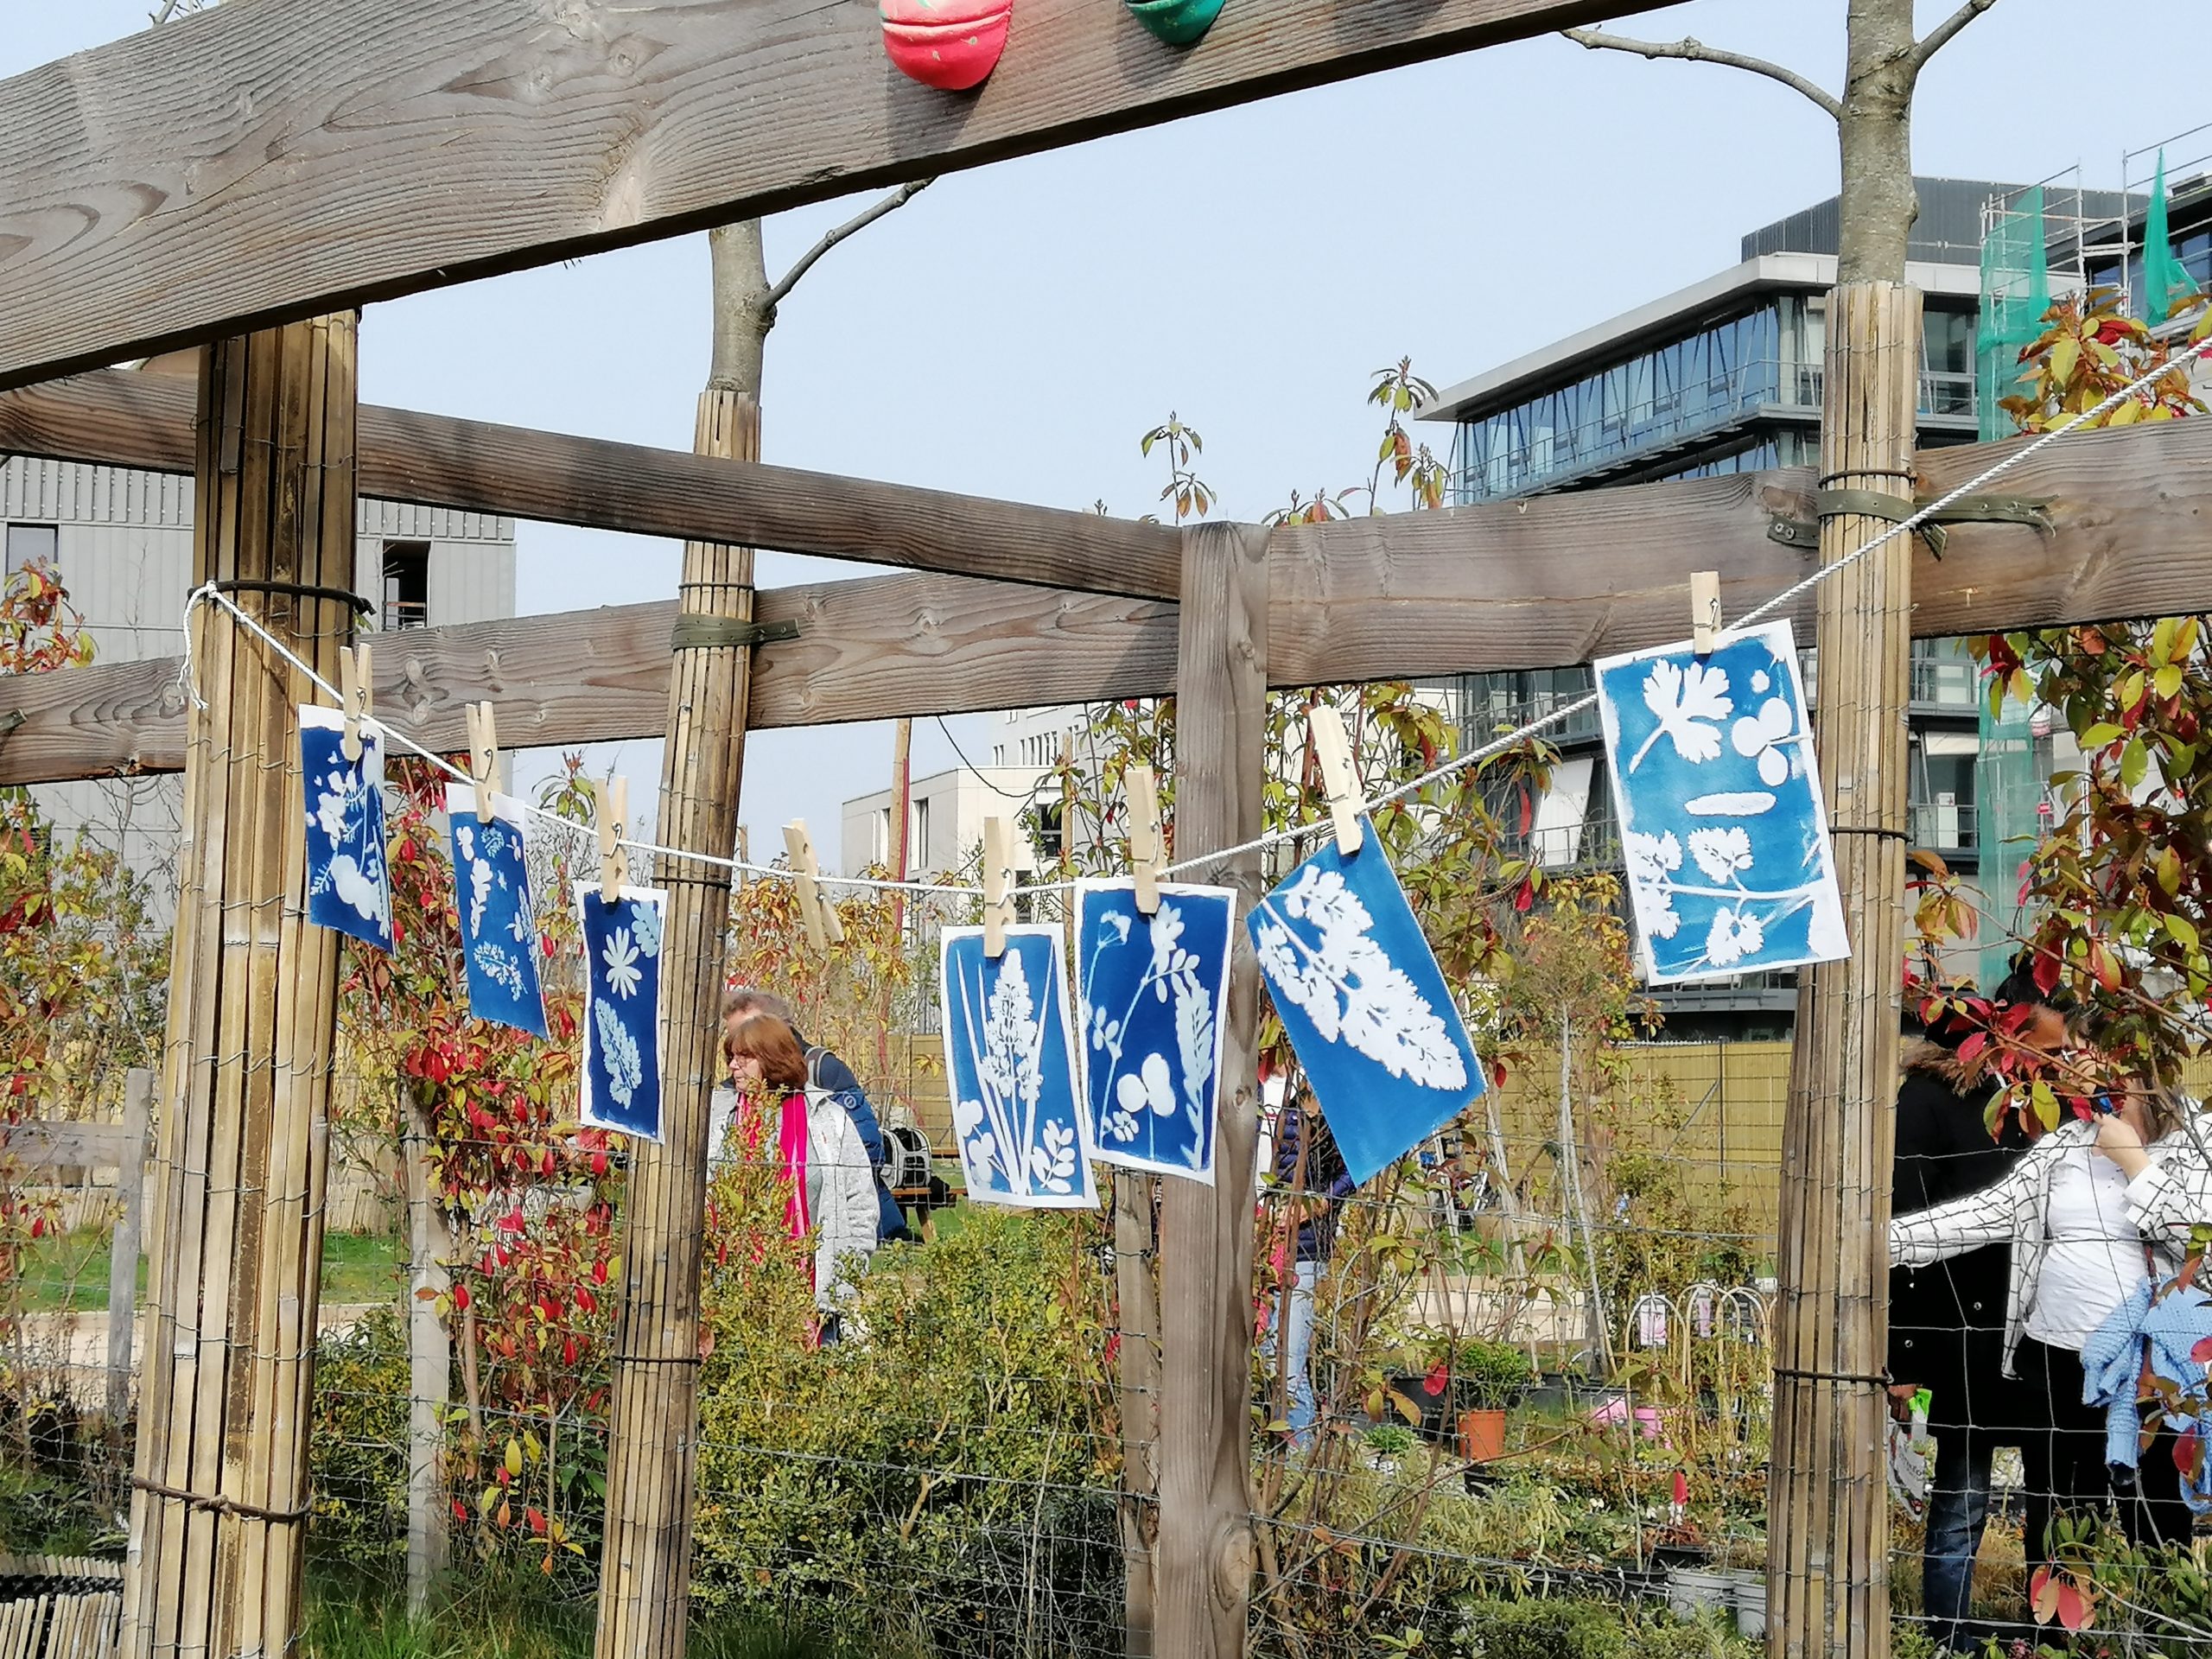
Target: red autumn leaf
(2075, 1610)
(1970, 1051)
(2046, 971)
(2042, 1595)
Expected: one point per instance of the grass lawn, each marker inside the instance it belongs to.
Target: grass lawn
(70, 1273)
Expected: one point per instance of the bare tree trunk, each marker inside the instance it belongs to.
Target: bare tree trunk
(1875, 138)
(743, 312)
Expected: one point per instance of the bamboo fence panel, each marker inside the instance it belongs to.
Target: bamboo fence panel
(220, 1500)
(1827, 1565)
(653, 1415)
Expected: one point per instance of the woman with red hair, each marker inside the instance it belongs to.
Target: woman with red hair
(830, 1184)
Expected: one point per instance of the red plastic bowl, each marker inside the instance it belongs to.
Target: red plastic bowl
(952, 47)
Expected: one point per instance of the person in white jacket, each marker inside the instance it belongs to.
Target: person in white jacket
(2093, 1210)
(830, 1183)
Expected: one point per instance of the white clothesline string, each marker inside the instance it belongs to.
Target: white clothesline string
(209, 595)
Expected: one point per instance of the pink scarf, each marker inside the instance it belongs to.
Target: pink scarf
(790, 1141)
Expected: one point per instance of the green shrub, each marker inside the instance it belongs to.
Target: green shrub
(945, 1474)
(1544, 1630)
(357, 1456)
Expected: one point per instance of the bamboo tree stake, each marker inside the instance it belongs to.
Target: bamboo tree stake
(1202, 1565)
(1827, 1565)
(213, 1566)
(653, 1418)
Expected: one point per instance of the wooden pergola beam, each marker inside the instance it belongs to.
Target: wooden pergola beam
(170, 188)
(1518, 584)
(115, 419)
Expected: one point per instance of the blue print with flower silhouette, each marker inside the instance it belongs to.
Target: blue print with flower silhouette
(622, 1081)
(498, 929)
(349, 887)
(1722, 825)
(1151, 991)
(1364, 1005)
(1010, 1065)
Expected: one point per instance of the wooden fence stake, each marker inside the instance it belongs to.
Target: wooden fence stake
(1202, 1566)
(653, 1418)
(123, 1248)
(430, 1352)
(1828, 1560)
(219, 1513)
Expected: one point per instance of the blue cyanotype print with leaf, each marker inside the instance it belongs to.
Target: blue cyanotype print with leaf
(498, 929)
(622, 1081)
(1364, 1004)
(1722, 825)
(1151, 993)
(348, 887)
(1010, 1065)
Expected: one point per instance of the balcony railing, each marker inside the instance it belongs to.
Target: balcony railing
(1946, 683)
(1485, 720)
(1942, 828)
(1664, 418)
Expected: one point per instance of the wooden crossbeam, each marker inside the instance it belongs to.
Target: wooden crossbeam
(366, 150)
(116, 418)
(1514, 585)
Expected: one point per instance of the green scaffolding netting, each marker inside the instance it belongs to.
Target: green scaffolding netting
(2009, 794)
(2015, 294)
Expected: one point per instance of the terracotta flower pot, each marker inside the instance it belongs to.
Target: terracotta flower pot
(951, 44)
(1482, 1435)
(1178, 22)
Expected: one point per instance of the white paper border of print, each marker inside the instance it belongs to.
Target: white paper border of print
(1826, 934)
(1085, 1197)
(589, 1113)
(1169, 892)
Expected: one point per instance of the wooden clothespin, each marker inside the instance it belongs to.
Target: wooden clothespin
(1705, 611)
(1148, 847)
(998, 885)
(822, 927)
(354, 692)
(483, 757)
(1333, 749)
(613, 815)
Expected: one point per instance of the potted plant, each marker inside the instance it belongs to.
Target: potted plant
(1743, 1560)
(1489, 1379)
(1386, 1444)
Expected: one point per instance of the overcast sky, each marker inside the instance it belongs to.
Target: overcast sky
(1247, 270)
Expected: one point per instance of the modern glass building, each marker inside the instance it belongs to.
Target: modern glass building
(1723, 377)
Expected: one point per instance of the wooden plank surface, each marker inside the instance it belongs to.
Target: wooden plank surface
(119, 418)
(1202, 1562)
(164, 190)
(55, 1144)
(1514, 585)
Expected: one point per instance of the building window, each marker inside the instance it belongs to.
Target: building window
(917, 838)
(1051, 831)
(32, 543)
(406, 584)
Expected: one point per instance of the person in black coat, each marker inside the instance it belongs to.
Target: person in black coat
(1947, 1322)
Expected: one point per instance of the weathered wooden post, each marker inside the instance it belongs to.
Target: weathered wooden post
(1136, 1292)
(646, 1563)
(1201, 1563)
(430, 1358)
(219, 1510)
(1827, 1563)
(124, 1246)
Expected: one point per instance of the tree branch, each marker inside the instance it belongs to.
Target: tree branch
(1941, 34)
(1696, 51)
(890, 204)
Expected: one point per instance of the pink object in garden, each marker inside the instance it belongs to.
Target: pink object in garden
(1616, 1413)
(951, 45)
